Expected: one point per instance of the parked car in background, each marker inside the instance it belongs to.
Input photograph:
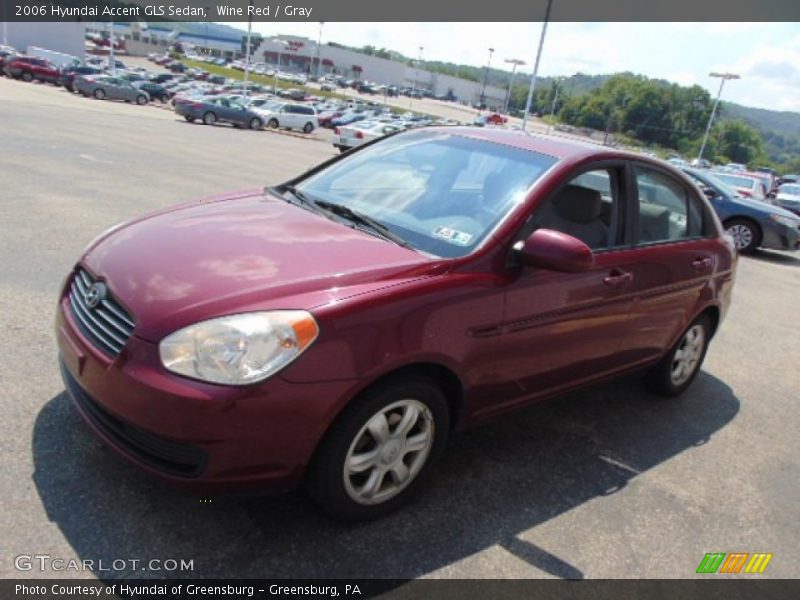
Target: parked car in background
(788, 197)
(69, 74)
(218, 110)
(751, 224)
(700, 163)
(750, 187)
(357, 134)
(29, 68)
(108, 87)
(6, 53)
(154, 90)
(434, 279)
(290, 115)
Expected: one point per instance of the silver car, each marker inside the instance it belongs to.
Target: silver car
(109, 87)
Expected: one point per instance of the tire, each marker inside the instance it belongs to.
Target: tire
(189, 119)
(141, 100)
(308, 128)
(393, 472)
(746, 234)
(256, 123)
(70, 89)
(99, 94)
(26, 76)
(164, 99)
(677, 370)
(273, 123)
(343, 149)
(209, 118)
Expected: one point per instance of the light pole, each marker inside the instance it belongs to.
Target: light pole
(416, 72)
(485, 77)
(724, 77)
(557, 86)
(536, 67)
(247, 50)
(281, 45)
(112, 59)
(319, 44)
(515, 62)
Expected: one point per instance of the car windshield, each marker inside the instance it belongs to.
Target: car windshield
(790, 189)
(441, 193)
(716, 182)
(745, 182)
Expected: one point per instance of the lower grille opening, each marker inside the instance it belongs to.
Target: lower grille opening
(164, 455)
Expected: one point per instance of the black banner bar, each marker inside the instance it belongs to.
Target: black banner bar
(712, 588)
(402, 11)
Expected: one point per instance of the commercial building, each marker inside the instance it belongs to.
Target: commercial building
(68, 37)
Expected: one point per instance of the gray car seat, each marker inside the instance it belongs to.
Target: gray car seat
(576, 210)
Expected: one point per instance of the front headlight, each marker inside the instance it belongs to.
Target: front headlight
(239, 349)
(786, 221)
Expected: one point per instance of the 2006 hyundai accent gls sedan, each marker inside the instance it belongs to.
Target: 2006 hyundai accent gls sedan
(333, 330)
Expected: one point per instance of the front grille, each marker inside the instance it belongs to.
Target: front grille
(150, 449)
(106, 324)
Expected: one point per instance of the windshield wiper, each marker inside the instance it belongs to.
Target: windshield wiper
(362, 219)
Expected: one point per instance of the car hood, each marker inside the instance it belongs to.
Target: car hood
(238, 253)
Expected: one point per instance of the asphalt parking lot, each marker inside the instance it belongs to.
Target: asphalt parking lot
(609, 483)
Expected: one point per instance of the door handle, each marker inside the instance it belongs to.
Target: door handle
(618, 279)
(701, 264)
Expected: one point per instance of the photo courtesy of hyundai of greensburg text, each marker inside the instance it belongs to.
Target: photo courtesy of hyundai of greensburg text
(399, 300)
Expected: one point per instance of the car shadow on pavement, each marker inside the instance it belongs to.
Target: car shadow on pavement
(493, 484)
(776, 258)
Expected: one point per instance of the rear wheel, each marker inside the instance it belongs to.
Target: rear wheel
(381, 449)
(99, 94)
(256, 123)
(309, 127)
(189, 119)
(273, 123)
(680, 366)
(140, 100)
(27, 76)
(209, 118)
(745, 233)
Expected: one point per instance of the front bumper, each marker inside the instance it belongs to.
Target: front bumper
(208, 437)
(780, 237)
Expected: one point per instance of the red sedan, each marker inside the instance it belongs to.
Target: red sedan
(334, 330)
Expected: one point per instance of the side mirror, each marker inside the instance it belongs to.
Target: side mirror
(710, 193)
(555, 251)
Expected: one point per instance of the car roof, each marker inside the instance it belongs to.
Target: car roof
(557, 147)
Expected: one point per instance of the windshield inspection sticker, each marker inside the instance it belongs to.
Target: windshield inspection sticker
(454, 236)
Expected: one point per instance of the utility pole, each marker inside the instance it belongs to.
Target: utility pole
(724, 77)
(485, 77)
(515, 62)
(319, 44)
(416, 72)
(247, 49)
(536, 67)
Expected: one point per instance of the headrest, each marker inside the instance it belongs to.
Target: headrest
(578, 204)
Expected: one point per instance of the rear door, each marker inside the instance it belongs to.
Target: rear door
(675, 259)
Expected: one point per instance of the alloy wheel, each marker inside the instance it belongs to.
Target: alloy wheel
(742, 235)
(687, 357)
(388, 452)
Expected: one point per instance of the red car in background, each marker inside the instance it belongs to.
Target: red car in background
(29, 68)
(334, 329)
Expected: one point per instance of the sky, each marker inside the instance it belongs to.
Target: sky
(766, 55)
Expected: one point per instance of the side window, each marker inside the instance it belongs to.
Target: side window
(667, 211)
(587, 208)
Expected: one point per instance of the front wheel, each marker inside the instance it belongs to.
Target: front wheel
(209, 118)
(255, 123)
(141, 100)
(273, 123)
(745, 234)
(27, 76)
(99, 94)
(680, 366)
(379, 452)
(189, 119)
(308, 128)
